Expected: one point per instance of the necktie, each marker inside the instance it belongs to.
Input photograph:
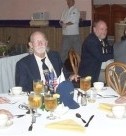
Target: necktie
(45, 70)
(44, 66)
(104, 50)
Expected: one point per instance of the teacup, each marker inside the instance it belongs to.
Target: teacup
(98, 85)
(119, 111)
(3, 120)
(17, 90)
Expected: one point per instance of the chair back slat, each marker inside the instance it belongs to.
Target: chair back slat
(116, 77)
(74, 60)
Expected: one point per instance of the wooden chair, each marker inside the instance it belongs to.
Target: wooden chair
(74, 60)
(116, 77)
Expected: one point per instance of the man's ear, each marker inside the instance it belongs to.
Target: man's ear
(30, 45)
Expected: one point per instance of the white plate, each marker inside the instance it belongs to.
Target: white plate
(22, 94)
(110, 115)
(9, 123)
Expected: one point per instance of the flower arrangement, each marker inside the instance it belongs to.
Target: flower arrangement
(3, 49)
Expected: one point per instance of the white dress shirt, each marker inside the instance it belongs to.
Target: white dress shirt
(71, 15)
(51, 68)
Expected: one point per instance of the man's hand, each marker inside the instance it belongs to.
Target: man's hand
(74, 77)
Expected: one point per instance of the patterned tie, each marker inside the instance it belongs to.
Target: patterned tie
(104, 49)
(45, 70)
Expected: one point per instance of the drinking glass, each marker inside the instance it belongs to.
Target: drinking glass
(35, 102)
(38, 86)
(92, 95)
(85, 84)
(50, 105)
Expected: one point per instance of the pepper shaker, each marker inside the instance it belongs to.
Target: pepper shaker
(83, 100)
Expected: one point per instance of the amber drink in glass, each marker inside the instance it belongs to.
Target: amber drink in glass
(50, 105)
(85, 83)
(38, 86)
(35, 102)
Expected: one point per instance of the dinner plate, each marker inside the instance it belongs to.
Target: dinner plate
(110, 115)
(9, 123)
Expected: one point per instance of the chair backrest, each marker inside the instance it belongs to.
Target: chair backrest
(74, 60)
(116, 77)
(7, 72)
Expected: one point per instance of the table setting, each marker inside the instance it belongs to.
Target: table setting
(94, 118)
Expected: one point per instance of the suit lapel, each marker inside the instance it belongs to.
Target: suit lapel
(34, 67)
(54, 62)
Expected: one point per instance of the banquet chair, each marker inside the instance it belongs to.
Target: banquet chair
(7, 71)
(116, 77)
(74, 60)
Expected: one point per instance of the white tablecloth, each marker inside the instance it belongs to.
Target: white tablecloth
(100, 125)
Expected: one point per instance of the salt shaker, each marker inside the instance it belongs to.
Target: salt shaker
(83, 100)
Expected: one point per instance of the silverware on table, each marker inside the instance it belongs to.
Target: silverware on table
(107, 96)
(33, 121)
(18, 116)
(87, 124)
(79, 116)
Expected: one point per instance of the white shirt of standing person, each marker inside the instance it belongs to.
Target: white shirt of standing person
(71, 14)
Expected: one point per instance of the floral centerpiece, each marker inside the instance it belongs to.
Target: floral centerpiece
(3, 49)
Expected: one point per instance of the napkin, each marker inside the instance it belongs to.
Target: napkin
(61, 110)
(67, 124)
(106, 106)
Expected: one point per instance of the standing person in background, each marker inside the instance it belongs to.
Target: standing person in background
(70, 30)
(96, 52)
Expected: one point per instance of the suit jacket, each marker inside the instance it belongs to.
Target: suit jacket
(27, 69)
(120, 51)
(92, 56)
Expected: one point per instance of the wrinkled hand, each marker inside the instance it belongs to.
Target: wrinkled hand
(74, 77)
(4, 100)
(8, 113)
(121, 100)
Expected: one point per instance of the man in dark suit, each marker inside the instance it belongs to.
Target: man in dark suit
(29, 68)
(95, 51)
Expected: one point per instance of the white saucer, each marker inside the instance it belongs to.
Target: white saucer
(110, 115)
(9, 123)
(22, 93)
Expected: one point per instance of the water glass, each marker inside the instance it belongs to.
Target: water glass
(92, 95)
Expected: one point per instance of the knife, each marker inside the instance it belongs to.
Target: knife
(86, 125)
(107, 96)
(33, 121)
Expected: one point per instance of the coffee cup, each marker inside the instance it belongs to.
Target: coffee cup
(17, 90)
(119, 111)
(3, 120)
(98, 85)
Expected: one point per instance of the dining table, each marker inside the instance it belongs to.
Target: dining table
(102, 123)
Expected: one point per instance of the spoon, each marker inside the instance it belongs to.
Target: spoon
(79, 116)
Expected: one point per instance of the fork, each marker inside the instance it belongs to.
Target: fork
(12, 102)
(33, 121)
